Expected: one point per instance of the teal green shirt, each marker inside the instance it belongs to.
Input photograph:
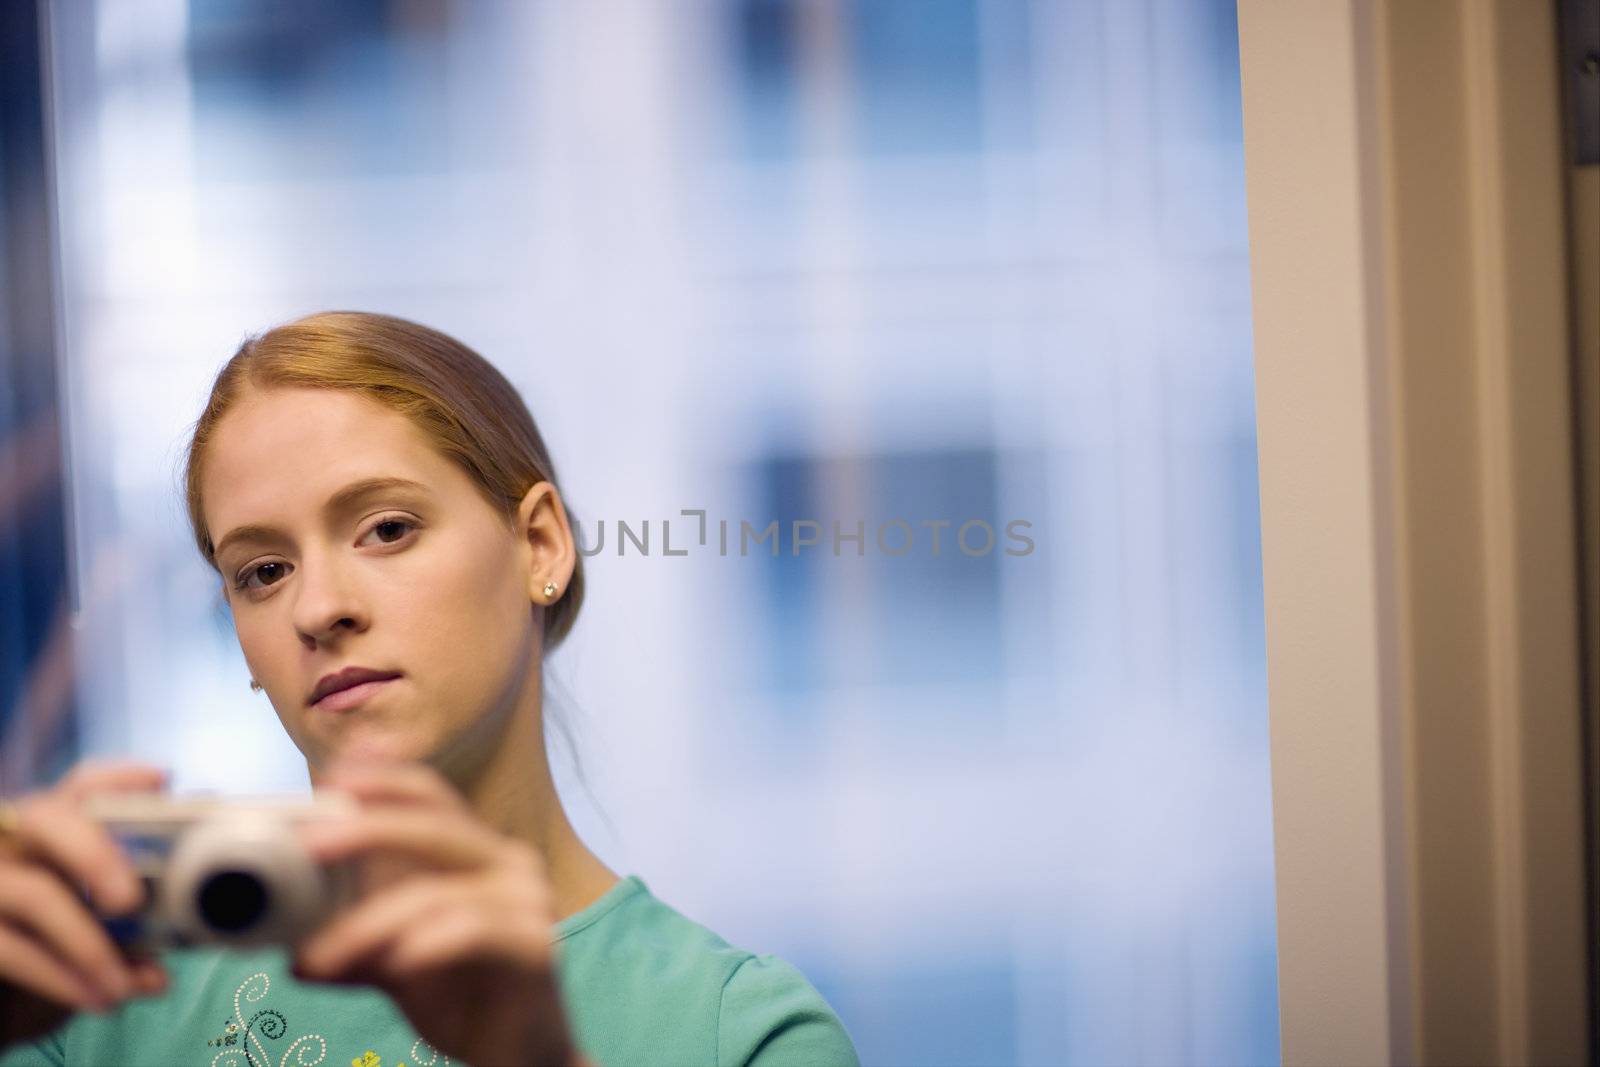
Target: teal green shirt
(642, 985)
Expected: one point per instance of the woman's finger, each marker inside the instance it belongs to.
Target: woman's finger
(149, 977)
(52, 829)
(449, 841)
(369, 927)
(39, 901)
(25, 965)
(110, 776)
(463, 935)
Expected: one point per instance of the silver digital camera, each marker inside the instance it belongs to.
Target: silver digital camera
(227, 872)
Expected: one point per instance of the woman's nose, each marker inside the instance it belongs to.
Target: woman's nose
(327, 602)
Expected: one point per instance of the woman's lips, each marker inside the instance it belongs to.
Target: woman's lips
(349, 698)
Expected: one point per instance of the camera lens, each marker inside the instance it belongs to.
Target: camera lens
(232, 901)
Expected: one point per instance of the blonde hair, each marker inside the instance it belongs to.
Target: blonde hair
(466, 409)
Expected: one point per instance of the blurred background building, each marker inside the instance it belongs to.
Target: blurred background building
(909, 260)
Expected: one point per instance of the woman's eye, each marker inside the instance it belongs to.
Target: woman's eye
(391, 530)
(262, 571)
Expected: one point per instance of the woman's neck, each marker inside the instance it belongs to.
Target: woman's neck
(514, 792)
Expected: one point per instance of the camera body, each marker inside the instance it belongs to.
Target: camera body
(227, 872)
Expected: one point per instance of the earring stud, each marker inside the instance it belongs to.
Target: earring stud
(550, 589)
(255, 686)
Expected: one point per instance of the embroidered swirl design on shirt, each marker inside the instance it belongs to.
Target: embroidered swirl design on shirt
(300, 1053)
(433, 1054)
(270, 1023)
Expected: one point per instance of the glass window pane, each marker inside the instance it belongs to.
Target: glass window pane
(886, 262)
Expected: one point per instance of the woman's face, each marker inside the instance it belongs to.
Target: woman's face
(425, 580)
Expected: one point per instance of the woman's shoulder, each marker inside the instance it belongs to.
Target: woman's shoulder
(771, 1015)
(630, 921)
(633, 965)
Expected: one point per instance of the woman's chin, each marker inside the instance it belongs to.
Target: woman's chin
(377, 746)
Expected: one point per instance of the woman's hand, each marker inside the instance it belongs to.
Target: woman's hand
(453, 920)
(55, 956)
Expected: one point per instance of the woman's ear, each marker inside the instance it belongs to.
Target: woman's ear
(552, 552)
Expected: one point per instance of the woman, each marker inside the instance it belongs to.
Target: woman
(397, 560)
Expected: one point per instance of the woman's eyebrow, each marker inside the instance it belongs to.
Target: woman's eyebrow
(339, 501)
